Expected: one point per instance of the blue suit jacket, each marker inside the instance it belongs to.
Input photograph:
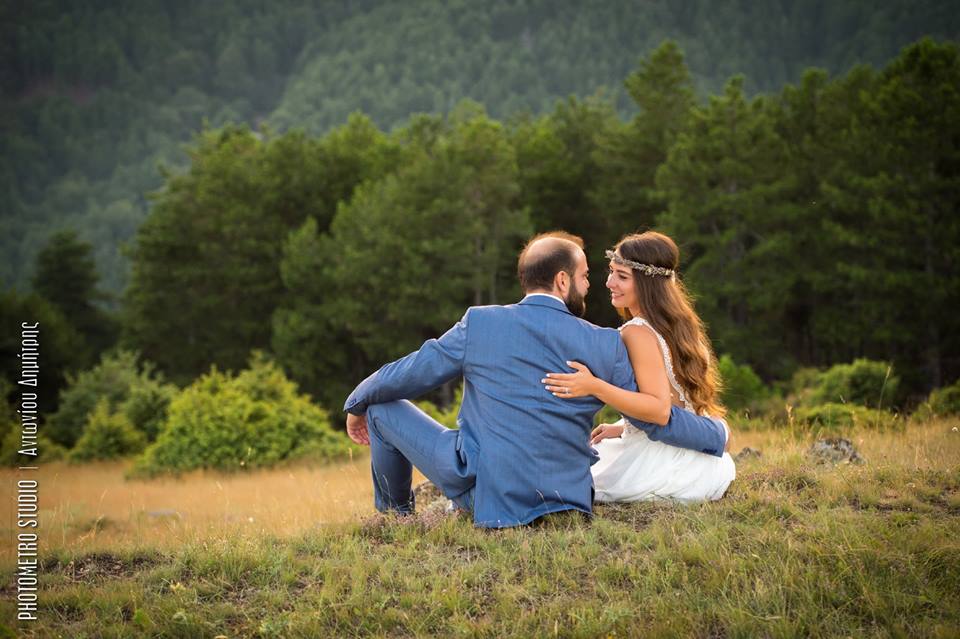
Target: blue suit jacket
(526, 452)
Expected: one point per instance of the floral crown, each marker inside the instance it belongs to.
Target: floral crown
(646, 269)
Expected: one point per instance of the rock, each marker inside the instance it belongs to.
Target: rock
(747, 453)
(835, 450)
(166, 513)
(429, 498)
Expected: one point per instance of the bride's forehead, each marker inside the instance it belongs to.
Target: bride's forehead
(619, 267)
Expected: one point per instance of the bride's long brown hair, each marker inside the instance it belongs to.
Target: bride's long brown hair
(666, 304)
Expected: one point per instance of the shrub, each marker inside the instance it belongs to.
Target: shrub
(802, 385)
(10, 440)
(836, 416)
(255, 419)
(742, 389)
(7, 413)
(146, 405)
(136, 391)
(107, 435)
(864, 382)
(607, 415)
(447, 417)
(47, 449)
(942, 402)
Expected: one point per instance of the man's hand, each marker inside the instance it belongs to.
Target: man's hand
(357, 429)
(606, 431)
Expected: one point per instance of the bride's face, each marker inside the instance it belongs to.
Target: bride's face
(623, 293)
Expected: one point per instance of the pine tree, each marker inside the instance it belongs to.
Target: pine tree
(722, 182)
(66, 276)
(630, 154)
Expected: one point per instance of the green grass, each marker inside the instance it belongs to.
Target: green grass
(793, 550)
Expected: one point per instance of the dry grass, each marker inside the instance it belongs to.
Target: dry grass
(92, 507)
(795, 549)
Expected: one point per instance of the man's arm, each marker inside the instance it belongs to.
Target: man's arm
(687, 430)
(438, 361)
(684, 430)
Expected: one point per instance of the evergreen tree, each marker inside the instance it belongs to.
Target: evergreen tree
(629, 154)
(412, 250)
(66, 276)
(723, 182)
(559, 167)
(63, 348)
(815, 234)
(310, 339)
(903, 183)
(206, 267)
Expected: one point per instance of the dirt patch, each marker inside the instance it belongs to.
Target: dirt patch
(102, 565)
(638, 515)
(779, 479)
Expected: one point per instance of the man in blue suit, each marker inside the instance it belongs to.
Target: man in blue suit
(519, 452)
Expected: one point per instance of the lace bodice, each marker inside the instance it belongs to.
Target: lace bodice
(667, 360)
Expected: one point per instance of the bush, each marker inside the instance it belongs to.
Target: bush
(255, 419)
(835, 416)
(107, 435)
(942, 402)
(864, 383)
(146, 405)
(47, 449)
(135, 391)
(446, 417)
(607, 415)
(742, 389)
(10, 427)
(7, 413)
(63, 348)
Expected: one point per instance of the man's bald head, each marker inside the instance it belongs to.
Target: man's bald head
(544, 256)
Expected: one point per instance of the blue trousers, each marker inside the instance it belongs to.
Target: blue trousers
(403, 436)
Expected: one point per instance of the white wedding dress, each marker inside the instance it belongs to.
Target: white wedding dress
(634, 468)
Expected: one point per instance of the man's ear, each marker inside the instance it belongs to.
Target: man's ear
(561, 282)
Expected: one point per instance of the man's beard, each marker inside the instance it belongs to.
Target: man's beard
(576, 303)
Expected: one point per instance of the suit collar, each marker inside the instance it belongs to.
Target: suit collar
(545, 299)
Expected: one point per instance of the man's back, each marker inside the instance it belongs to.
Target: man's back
(528, 449)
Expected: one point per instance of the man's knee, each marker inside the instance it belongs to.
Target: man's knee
(382, 412)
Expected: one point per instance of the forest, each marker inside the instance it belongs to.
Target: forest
(817, 223)
(95, 95)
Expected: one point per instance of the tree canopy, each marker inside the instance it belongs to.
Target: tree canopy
(805, 237)
(95, 96)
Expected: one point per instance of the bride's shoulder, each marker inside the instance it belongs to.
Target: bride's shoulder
(636, 326)
(634, 321)
(637, 335)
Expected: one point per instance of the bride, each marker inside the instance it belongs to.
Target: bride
(673, 364)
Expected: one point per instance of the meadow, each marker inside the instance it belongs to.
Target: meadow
(795, 548)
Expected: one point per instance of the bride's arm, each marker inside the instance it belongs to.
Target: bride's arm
(652, 401)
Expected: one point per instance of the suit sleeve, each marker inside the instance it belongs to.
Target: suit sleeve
(684, 430)
(437, 361)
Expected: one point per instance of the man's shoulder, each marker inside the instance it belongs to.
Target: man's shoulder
(603, 330)
(503, 310)
(493, 309)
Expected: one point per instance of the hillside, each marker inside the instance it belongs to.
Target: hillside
(96, 95)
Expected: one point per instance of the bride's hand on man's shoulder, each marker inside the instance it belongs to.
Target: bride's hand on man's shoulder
(582, 383)
(606, 431)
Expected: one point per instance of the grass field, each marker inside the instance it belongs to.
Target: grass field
(795, 549)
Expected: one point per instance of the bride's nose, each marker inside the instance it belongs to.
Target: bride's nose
(610, 281)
